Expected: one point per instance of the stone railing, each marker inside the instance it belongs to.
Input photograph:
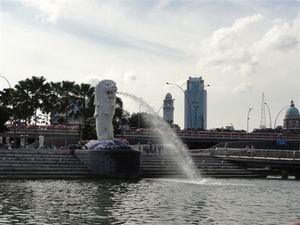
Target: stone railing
(242, 152)
(220, 135)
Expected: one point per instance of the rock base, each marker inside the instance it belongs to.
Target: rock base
(111, 163)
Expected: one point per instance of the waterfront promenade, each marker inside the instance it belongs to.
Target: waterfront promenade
(239, 162)
(220, 162)
(56, 135)
(266, 162)
(208, 139)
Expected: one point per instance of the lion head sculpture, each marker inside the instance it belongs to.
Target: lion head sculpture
(105, 97)
(105, 103)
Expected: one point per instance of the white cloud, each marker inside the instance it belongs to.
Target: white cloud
(226, 38)
(220, 89)
(228, 50)
(129, 77)
(242, 88)
(283, 36)
(92, 79)
(50, 10)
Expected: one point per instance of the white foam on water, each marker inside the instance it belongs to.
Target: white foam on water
(202, 181)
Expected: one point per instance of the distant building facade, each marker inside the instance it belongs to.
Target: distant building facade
(291, 121)
(195, 104)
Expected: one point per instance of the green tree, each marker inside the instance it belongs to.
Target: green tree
(120, 117)
(34, 90)
(83, 94)
(49, 107)
(89, 131)
(22, 99)
(5, 112)
(67, 100)
(6, 103)
(140, 120)
(6, 97)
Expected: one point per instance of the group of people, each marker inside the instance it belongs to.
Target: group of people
(151, 148)
(250, 151)
(7, 146)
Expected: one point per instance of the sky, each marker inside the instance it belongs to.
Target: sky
(246, 50)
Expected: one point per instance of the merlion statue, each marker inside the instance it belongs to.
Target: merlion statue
(105, 104)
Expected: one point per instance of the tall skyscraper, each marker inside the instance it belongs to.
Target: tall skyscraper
(195, 104)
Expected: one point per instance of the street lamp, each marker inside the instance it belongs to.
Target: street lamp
(269, 115)
(14, 122)
(186, 99)
(139, 113)
(21, 104)
(196, 106)
(278, 115)
(248, 118)
(6, 81)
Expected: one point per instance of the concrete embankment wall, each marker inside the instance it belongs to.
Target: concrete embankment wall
(162, 166)
(60, 164)
(41, 164)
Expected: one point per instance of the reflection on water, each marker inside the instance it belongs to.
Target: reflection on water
(54, 202)
(157, 201)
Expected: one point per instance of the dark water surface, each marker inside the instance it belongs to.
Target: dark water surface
(157, 201)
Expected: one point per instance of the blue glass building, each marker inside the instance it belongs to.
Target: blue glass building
(195, 104)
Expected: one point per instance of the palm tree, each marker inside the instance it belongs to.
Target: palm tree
(83, 93)
(67, 99)
(6, 97)
(50, 105)
(4, 116)
(34, 90)
(7, 112)
(24, 105)
(9, 100)
(120, 117)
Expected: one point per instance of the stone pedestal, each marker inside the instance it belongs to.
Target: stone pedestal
(111, 163)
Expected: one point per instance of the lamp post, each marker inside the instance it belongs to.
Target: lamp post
(269, 115)
(6, 81)
(21, 104)
(186, 99)
(232, 129)
(278, 115)
(14, 122)
(248, 118)
(139, 114)
(196, 106)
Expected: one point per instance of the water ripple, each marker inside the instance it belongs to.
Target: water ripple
(157, 201)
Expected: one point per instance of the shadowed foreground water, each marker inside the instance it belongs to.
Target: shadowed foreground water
(157, 201)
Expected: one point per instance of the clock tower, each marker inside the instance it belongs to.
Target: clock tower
(168, 108)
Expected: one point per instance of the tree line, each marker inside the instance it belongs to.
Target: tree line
(34, 100)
